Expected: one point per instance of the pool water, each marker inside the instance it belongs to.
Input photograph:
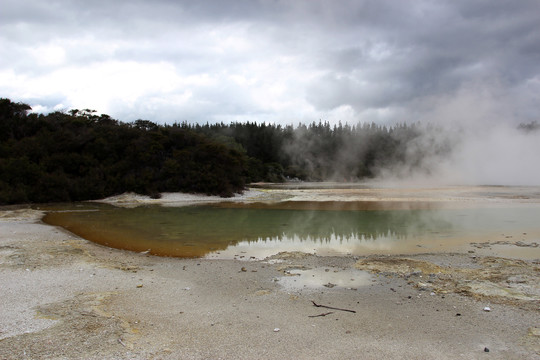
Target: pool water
(258, 230)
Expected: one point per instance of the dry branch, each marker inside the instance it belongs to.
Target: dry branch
(332, 308)
(323, 314)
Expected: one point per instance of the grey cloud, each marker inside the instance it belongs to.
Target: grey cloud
(366, 54)
(441, 50)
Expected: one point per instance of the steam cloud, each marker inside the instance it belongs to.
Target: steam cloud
(472, 137)
(488, 147)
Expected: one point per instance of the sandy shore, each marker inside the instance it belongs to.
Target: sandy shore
(66, 298)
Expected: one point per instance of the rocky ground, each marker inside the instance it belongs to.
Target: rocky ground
(66, 298)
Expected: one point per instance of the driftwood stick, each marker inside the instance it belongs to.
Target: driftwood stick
(332, 308)
(323, 314)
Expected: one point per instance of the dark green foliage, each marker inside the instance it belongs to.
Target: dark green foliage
(315, 152)
(80, 156)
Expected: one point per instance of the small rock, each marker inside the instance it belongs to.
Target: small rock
(517, 279)
(329, 285)
(422, 286)
(534, 331)
(487, 309)
(140, 286)
(243, 269)
(276, 329)
(486, 349)
(262, 292)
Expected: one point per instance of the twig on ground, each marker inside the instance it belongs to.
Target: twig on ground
(332, 308)
(323, 314)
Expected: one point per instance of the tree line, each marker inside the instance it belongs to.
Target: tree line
(319, 151)
(78, 155)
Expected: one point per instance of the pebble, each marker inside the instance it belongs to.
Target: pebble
(487, 309)
(276, 329)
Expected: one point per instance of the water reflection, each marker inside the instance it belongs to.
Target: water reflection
(329, 277)
(260, 230)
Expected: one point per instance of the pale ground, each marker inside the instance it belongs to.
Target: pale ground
(63, 297)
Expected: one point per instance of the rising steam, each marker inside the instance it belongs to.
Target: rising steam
(472, 137)
(488, 145)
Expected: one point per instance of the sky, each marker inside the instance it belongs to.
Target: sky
(276, 61)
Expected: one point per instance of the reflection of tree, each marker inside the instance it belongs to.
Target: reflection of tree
(343, 226)
(201, 229)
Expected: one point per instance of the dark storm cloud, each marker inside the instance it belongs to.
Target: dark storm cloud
(270, 59)
(432, 50)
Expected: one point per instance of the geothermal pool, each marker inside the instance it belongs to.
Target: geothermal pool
(258, 230)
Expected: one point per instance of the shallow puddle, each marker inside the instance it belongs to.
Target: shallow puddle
(318, 278)
(240, 230)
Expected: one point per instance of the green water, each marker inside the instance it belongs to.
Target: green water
(260, 230)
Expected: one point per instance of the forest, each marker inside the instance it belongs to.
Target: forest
(78, 155)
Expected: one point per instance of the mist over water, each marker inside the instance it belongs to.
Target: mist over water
(488, 145)
(502, 156)
(498, 155)
(474, 136)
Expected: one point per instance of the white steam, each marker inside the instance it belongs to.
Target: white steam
(487, 147)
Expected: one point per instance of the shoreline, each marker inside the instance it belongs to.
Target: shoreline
(69, 298)
(490, 194)
(517, 244)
